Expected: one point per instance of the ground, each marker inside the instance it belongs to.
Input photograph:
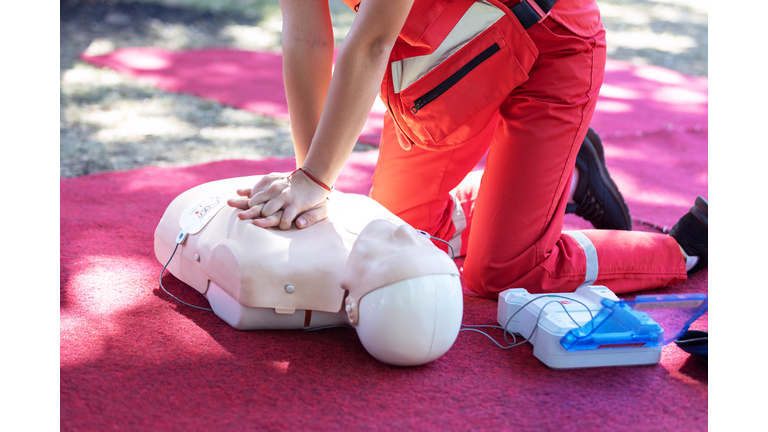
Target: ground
(110, 122)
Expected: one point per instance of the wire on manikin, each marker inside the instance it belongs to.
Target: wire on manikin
(163, 271)
(426, 234)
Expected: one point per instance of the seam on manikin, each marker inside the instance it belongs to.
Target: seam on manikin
(434, 334)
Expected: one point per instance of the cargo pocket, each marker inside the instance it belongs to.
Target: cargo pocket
(453, 102)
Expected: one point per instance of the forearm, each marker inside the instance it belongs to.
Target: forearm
(323, 146)
(352, 92)
(360, 66)
(308, 44)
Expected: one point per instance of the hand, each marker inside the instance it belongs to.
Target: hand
(276, 201)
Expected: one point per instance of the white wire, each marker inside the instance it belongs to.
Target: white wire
(426, 234)
(448, 244)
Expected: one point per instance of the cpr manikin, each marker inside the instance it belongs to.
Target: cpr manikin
(361, 266)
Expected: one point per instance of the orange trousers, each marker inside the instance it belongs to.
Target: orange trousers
(514, 238)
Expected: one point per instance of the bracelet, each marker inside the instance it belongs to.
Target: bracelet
(311, 177)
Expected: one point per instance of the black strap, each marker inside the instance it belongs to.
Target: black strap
(545, 5)
(527, 15)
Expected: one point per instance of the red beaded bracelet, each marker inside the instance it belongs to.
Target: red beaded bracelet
(311, 177)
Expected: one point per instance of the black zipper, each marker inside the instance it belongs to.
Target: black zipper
(455, 78)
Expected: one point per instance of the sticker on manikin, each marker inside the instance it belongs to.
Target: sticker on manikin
(201, 211)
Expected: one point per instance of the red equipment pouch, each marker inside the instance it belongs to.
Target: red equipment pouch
(451, 68)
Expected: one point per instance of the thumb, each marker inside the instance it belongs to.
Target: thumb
(312, 216)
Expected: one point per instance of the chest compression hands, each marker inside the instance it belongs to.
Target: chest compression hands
(276, 200)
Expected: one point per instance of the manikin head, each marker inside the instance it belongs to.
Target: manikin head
(405, 297)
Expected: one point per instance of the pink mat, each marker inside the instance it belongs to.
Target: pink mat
(132, 358)
(633, 100)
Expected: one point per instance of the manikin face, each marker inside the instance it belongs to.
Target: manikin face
(385, 253)
(381, 239)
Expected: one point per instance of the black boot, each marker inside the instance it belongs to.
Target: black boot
(597, 198)
(691, 233)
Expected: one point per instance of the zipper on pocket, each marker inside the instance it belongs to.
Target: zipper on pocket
(455, 78)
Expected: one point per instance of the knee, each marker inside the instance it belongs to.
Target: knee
(477, 277)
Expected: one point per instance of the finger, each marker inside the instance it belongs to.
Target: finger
(274, 190)
(289, 214)
(312, 216)
(258, 187)
(265, 182)
(260, 198)
(241, 203)
(273, 206)
(244, 192)
(269, 221)
(251, 213)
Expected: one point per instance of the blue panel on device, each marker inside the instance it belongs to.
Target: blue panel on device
(646, 321)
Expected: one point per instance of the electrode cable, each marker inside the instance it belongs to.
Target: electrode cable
(166, 291)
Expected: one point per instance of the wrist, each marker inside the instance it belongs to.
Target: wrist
(313, 178)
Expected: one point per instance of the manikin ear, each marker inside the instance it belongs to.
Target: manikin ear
(410, 323)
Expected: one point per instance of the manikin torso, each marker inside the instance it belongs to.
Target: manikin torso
(400, 292)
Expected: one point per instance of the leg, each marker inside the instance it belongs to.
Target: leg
(599, 199)
(516, 238)
(416, 184)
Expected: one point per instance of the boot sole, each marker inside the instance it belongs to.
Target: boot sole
(596, 148)
(700, 211)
